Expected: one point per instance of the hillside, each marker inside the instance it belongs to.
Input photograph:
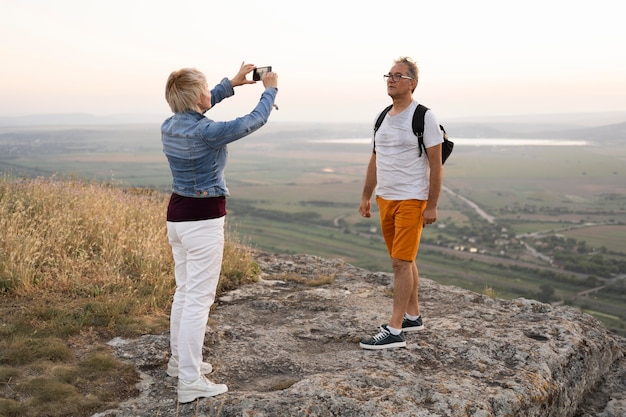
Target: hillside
(86, 286)
(559, 213)
(288, 346)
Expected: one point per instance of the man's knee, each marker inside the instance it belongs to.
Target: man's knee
(399, 264)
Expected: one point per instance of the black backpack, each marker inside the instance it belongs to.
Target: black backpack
(418, 129)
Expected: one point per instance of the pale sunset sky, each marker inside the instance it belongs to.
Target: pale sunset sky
(476, 58)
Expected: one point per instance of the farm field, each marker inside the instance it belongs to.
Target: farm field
(294, 192)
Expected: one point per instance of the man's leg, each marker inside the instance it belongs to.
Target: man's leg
(407, 234)
(401, 227)
(404, 291)
(413, 306)
(403, 286)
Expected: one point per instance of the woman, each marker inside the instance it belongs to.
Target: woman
(195, 147)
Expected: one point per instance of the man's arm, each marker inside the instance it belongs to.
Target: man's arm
(436, 179)
(368, 188)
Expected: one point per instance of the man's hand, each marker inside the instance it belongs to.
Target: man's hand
(430, 215)
(365, 208)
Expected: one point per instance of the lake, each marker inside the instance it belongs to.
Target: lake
(476, 142)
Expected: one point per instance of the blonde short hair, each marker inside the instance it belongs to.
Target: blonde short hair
(184, 88)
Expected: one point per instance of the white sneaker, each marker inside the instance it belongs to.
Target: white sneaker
(172, 367)
(201, 387)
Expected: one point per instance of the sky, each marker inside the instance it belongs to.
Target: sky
(476, 58)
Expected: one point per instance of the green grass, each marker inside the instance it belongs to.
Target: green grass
(613, 238)
(286, 192)
(282, 237)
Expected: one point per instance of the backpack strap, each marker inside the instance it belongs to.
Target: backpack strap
(381, 117)
(418, 126)
(379, 121)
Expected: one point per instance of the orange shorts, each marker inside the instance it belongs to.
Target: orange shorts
(401, 222)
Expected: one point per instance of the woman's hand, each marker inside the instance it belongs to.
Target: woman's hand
(240, 78)
(270, 79)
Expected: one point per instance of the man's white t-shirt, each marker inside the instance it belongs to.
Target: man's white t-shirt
(401, 173)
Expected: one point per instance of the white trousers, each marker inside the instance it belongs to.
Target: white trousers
(198, 248)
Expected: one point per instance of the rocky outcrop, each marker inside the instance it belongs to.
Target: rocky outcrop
(288, 346)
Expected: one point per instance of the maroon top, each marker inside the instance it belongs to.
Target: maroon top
(189, 209)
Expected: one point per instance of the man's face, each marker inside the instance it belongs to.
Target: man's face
(398, 86)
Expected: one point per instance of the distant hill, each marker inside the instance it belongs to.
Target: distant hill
(599, 134)
(564, 120)
(74, 119)
(594, 127)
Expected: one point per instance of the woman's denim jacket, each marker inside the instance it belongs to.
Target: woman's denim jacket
(195, 146)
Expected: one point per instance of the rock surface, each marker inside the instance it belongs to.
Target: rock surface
(287, 346)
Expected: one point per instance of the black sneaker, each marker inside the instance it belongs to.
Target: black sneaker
(412, 325)
(383, 340)
(409, 326)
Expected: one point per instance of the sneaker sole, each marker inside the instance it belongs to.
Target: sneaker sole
(187, 398)
(385, 346)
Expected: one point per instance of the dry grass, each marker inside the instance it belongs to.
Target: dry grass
(490, 292)
(80, 263)
(318, 281)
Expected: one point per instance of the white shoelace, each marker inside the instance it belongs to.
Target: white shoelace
(380, 336)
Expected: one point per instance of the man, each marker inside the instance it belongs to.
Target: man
(408, 184)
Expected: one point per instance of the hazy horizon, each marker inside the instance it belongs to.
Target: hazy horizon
(579, 118)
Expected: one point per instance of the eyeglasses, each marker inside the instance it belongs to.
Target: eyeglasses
(396, 77)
